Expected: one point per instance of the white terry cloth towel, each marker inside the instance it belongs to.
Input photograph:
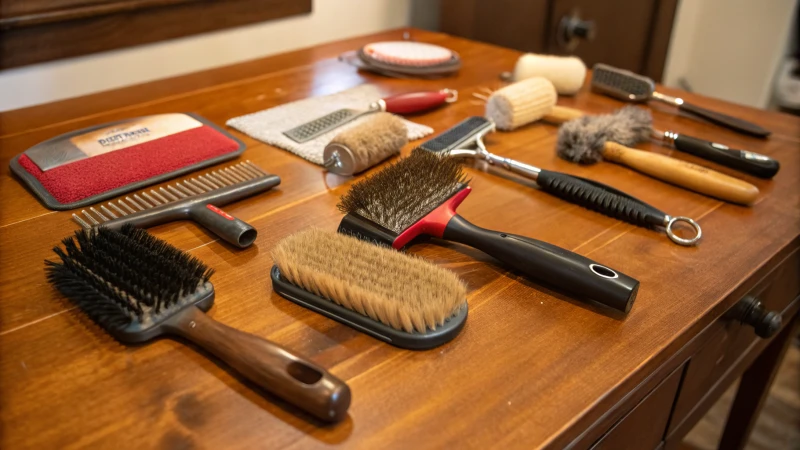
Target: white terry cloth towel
(268, 125)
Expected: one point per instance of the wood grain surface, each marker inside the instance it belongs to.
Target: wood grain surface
(531, 368)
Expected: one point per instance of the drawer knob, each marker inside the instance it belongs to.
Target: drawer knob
(572, 29)
(752, 312)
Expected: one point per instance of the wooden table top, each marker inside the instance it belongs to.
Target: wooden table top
(529, 369)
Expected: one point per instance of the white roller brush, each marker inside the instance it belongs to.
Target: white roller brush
(521, 103)
(565, 72)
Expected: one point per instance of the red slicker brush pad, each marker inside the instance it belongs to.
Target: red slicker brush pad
(89, 177)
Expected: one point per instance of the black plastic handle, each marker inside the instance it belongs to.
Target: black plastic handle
(548, 264)
(752, 163)
(224, 225)
(601, 198)
(733, 123)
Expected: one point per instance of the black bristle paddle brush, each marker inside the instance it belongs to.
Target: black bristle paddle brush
(419, 195)
(138, 287)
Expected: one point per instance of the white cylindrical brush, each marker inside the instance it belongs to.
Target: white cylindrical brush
(521, 103)
(567, 73)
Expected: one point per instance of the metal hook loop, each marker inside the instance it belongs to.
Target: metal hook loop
(679, 240)
(452, 95)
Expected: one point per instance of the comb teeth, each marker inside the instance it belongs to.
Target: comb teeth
(461, 135)
(620, 83)
(404, 192)
(118, 277)
(152, 198)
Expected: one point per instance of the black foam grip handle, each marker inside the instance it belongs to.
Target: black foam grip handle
(232, 230)
(561, 269)
(733, 123)
(601, 198)
(752, 163)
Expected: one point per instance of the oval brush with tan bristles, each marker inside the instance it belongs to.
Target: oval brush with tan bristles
(400, 299)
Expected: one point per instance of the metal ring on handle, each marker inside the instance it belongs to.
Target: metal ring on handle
(452, 95)
(679, 240)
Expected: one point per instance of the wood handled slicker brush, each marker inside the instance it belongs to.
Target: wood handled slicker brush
(365, 145)
(138, 287)
(590, 139)
(399, 299)
(630, 87)
(419, 194)
(465, 141)
(197, 199)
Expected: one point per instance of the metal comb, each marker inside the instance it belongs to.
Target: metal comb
(194, 198)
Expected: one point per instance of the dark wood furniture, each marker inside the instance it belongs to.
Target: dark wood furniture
(632, 34)
(531, 368)
(33, 31)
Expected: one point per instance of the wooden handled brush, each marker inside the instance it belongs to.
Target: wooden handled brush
(593, 138)
(138, 287)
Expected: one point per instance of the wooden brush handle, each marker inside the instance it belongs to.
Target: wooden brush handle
(272, 367)
(561, 114)
(683, 174)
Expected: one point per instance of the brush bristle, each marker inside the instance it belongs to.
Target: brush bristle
(398, 290)
(117, 277)
(375, 139)
(581, 140)
(404, 192)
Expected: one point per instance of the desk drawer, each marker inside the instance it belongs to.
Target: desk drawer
(731, 342)
(644, 426)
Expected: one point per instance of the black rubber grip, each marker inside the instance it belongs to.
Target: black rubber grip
(730, 122)
(561, 269)
(601, 198)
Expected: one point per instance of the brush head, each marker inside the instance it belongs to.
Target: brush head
(622, 84)
(462, 135)
(565, 72)
(405, 293)
(404, 192)
(129, 282)
(581, 140)
(377, 138)
(521, 103)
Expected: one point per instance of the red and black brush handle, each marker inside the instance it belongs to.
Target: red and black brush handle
(553, 266)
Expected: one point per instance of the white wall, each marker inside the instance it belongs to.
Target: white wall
(729, 49)
(330, 20)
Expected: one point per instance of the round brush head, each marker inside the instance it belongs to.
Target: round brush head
(521, 103)
(356, 149)
(402, 299)
(408, 53)
(567, 73)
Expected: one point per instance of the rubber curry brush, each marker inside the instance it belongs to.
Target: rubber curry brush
(365, 145)
(399, 299)
(198, 199)
(138, 287)
(465, 141)
(590, 139)
(419, 194)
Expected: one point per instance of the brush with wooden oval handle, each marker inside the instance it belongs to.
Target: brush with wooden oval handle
(588, 139)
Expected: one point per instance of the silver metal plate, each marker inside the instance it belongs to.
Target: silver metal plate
(322, 125)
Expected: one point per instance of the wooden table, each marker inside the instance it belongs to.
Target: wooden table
(530, 368)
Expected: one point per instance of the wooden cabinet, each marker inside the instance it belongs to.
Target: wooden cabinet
(632, 34)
